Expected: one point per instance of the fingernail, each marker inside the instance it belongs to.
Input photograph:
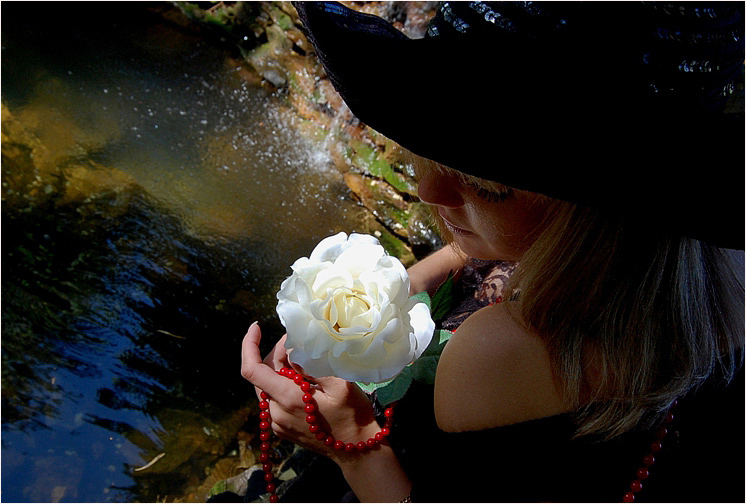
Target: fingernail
(253, 324)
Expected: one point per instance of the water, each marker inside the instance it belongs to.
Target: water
(174, 198)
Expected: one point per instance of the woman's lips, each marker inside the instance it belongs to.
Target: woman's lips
(454, 228)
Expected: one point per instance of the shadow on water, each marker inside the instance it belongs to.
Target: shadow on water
(166, 208)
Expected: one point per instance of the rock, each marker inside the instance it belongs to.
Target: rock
(33, 173)
(420, 231)
(89, 179)
(381, 200)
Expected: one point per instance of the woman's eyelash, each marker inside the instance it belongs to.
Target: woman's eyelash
(489, 195)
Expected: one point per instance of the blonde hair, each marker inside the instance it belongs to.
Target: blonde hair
(653, 315)
(633, 319)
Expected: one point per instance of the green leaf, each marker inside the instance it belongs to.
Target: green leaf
(396, 389)
(368, 388)
(423, 369)
(434, 348)
(423, 297)
(442, 299)
(443, 336)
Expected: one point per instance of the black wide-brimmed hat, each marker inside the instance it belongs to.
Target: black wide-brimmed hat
(619, 106)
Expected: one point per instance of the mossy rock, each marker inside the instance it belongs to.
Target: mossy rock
(369, 160)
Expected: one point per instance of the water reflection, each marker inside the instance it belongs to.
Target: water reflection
(162, 206)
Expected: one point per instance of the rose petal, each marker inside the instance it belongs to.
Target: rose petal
(358, 238)
(302, 291)
(360, 258)
(354, 346)
(317, 343)
(331, 278)
(329, 248)
(356, 369)
(295, 318)
(422, 324)
(314, 367)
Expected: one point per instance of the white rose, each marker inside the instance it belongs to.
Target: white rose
(347, 312)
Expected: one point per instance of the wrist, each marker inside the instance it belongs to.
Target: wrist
(349, 459)
(365, 472)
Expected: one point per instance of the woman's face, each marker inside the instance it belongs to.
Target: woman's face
(486, 224)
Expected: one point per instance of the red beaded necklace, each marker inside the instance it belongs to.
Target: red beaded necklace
(643, 472)
(648, 460)
(313, 427)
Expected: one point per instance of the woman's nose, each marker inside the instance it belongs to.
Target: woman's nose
(440, 189)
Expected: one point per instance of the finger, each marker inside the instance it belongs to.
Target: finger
(255, 371)
(278, 357)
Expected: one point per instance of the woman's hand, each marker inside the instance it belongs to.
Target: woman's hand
(342, 408)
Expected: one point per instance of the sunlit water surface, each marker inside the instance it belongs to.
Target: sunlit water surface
(123, 312)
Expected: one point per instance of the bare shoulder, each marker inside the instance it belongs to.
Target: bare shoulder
(493, 373)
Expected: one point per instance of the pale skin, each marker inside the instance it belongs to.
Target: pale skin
(508, 378)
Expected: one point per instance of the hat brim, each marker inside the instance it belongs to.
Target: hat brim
(560, 120)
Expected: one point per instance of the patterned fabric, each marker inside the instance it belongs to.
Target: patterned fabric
(480, 285)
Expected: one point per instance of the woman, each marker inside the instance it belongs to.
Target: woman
(595, 312)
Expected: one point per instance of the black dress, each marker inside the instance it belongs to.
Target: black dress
(702, 459)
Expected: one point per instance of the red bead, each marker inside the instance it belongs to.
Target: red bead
(298, 379)
(379, 437)
(267, 467)
(669, 417)
(371, 443)
(350, 447)
(389, 412)
(314, 428)
(264, 447)
(310, 418)
(307, 398)
(636, 486)
(629, 497)
(263, 457)
(273, 498)
(264, 436)
(268, 477)
(264, 425)
(656, 447)
(385, 431)
(284, 371)
(264, 395)
(361, 446)
(305, 386)
(309, 408)
(290, 373)
(648, 460)
(271, 488)
(264, 415)
(339, 445)
(642, 473)
(662, 432)
(329, 441)
(321, 435)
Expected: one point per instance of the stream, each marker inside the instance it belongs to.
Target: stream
(171, 198)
